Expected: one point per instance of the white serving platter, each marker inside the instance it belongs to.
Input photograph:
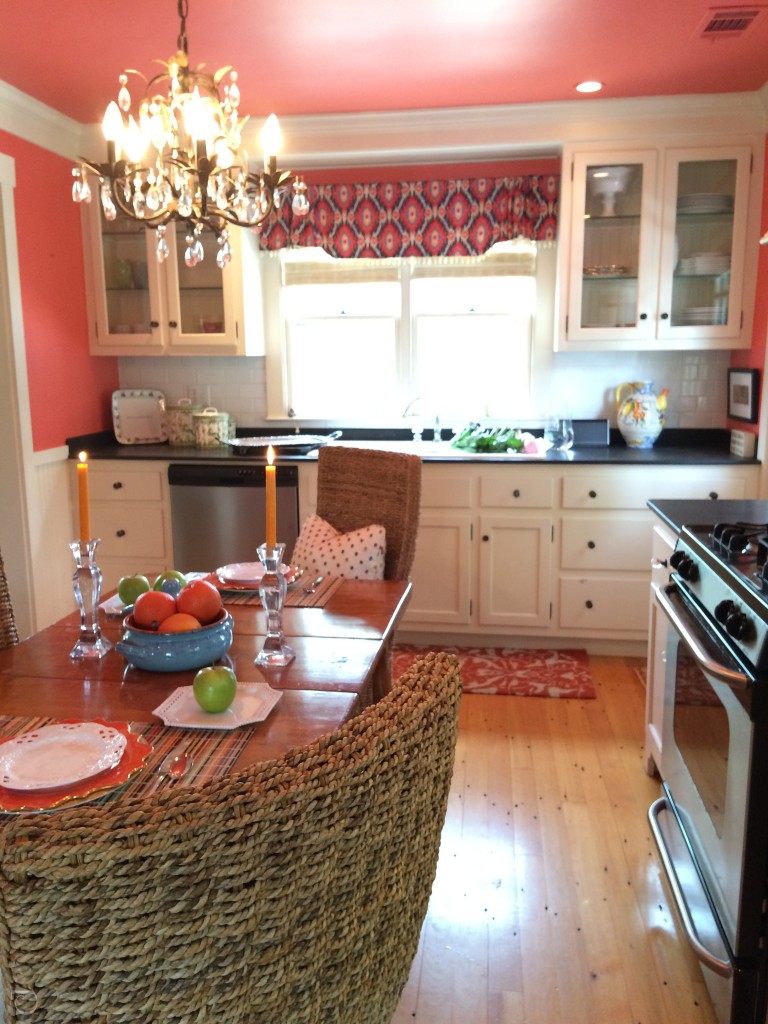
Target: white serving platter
(138, 416)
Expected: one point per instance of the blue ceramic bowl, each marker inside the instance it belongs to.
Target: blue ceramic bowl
(176, 652)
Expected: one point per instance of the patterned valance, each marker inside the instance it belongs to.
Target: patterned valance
(457, 217)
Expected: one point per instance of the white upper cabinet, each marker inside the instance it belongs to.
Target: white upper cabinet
(138, 306)
(655, 251)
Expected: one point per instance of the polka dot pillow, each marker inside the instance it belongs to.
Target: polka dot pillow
(358, 555)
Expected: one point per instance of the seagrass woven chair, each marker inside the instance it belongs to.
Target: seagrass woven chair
(292, 892)
(357, 487)
(8, 632)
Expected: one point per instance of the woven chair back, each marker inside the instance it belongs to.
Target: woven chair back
(292, 892)
(8, 632)
(357, 487)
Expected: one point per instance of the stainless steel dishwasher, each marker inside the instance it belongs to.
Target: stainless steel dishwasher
(218, 513)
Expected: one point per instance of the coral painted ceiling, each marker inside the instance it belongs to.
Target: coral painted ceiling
(345, 56)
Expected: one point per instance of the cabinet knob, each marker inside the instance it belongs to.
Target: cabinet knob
(486, 538)
(590, 544)
(117, 485)
(714, 495)
(665, 316)
(154, 323)
(588, 604)
(172, 323)
(516, 493)
(593, 494)
(120, 533)
(643, 316)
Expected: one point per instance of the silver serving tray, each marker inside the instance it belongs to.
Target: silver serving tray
(298, 444)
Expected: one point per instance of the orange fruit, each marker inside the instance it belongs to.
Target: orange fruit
(201, 599)
(179, 622)
(151, 608)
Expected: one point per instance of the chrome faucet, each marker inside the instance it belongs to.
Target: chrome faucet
(438, 431)
(407, 409)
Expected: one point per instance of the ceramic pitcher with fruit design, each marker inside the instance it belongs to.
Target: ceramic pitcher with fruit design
(640, 412)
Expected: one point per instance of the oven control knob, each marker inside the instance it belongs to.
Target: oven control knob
(723, 610)
(685, 565)
(739, 626)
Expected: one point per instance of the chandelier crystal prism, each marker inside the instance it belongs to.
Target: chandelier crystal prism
(182, 158)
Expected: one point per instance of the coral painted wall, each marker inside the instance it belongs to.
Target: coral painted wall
(69, 390)
(754, 358)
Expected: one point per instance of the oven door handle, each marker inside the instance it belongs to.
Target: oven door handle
(737, 680)
(706, 956)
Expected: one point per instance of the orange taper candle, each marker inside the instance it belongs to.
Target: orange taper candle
(271, 499)
(82, 491)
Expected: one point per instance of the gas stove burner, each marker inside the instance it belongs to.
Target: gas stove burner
(734, 540)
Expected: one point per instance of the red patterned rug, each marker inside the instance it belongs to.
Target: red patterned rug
(511, 671)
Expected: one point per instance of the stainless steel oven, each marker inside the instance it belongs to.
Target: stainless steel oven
(711, 820)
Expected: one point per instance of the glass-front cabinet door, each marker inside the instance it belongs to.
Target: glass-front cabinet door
(129, 310)
(139, 306)
(614, 238)
(656, 249)
(702, 265)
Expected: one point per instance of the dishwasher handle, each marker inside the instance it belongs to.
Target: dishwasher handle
(214, 474)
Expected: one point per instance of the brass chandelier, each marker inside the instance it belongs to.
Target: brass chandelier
(182, 158)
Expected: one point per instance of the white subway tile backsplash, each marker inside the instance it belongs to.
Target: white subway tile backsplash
(582, 384)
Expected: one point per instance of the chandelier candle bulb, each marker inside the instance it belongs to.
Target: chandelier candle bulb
(271, 491)
(82, 491)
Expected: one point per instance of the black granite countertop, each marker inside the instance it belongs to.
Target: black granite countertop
(674, 447)
(678, 513)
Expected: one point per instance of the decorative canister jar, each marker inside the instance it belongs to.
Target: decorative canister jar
(181, 423)
(211, 428)
(640, 412)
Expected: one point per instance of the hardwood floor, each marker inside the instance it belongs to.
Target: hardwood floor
(548, 906)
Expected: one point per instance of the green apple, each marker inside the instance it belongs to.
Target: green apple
(170, 582)
(130, 587)
(214, 688)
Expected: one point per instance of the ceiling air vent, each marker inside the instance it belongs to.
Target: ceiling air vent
(729, 21)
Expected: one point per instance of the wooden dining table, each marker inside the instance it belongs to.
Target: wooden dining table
(341, 664)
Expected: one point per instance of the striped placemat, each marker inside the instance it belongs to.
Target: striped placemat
(214, 752)
(297, 596)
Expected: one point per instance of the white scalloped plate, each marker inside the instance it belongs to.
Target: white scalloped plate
(59, 755)
(138, 416)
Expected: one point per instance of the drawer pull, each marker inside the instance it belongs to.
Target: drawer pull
(486, 538)
(117, 485)
(516, 493)
(593, 494)
(590, 544)
(588, 604)
(714, 495)
(120, 533)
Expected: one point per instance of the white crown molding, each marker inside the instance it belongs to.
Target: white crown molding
(35, 122)
(440, 135)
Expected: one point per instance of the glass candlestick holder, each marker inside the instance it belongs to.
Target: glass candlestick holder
(87, 584)
(272, 592)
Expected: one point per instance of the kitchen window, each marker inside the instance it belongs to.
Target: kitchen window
(361, 339)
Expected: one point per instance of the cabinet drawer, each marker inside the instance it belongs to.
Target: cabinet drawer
(129, 531)
(516, 489)
(121, 484)
(633, 489)
(446, 488)
(623, 542)
(593, 603)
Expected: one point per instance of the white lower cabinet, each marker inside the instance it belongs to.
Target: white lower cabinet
(131, 516)
(546, 551)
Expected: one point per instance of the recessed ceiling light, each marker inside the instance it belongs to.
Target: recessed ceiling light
(589, 87)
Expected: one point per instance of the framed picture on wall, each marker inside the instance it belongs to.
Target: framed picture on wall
(742, 395)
